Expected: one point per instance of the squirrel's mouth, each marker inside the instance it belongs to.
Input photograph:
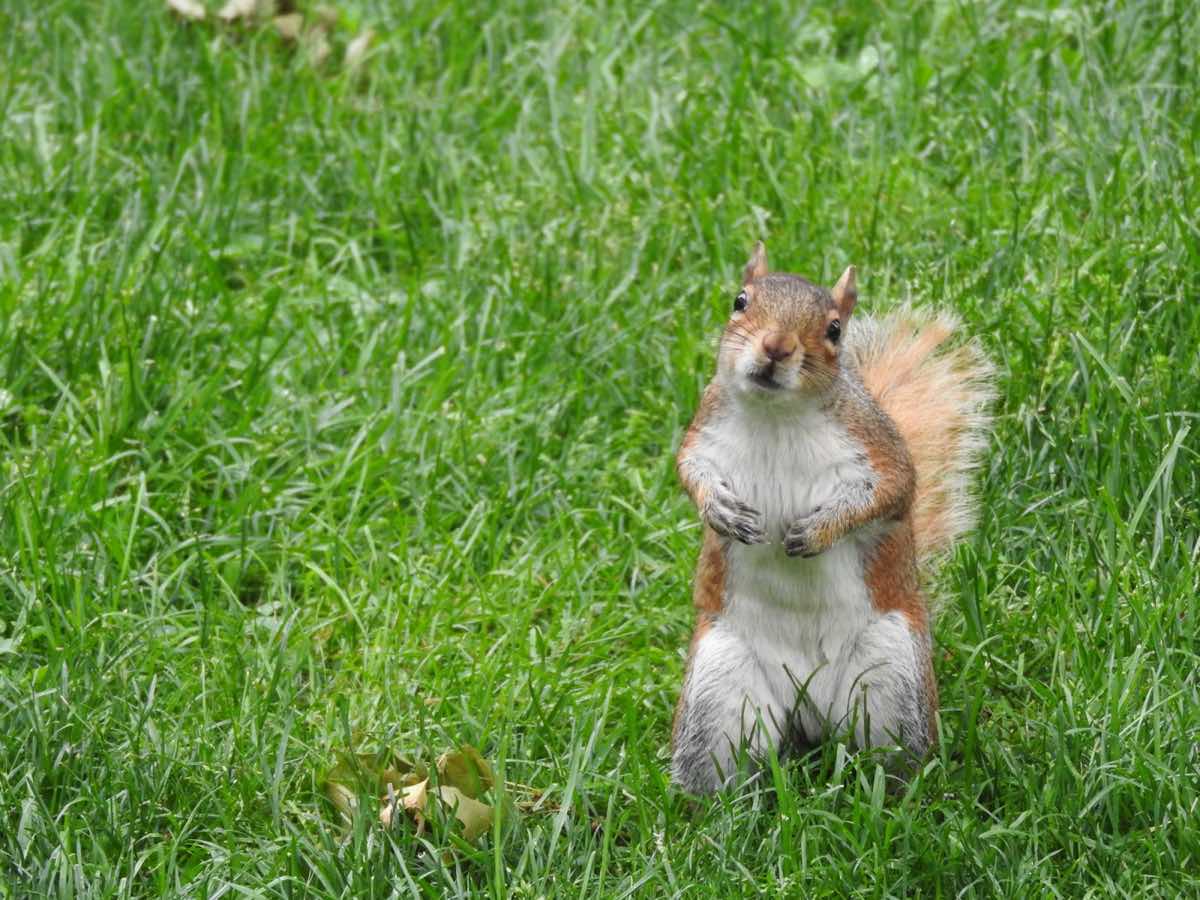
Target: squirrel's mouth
(765, 378)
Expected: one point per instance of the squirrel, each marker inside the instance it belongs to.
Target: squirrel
(830, 463)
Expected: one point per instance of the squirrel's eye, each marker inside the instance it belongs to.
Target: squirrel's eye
(739, 302)
(834, 331)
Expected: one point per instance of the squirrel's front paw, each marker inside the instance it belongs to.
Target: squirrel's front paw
(730, 517)
(807, 536)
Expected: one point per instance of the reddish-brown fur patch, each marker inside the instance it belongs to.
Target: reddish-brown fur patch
(889, 460)
(893, 584)
(891, 577)
(708, 592)
(708, 402)
(817, 347)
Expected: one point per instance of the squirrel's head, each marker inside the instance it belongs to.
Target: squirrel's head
(785, 334)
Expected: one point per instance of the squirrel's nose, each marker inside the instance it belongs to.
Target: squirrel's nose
(779, 346)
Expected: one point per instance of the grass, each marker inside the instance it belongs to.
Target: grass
(338, 414)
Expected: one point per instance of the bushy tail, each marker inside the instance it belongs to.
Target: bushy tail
(938, 397)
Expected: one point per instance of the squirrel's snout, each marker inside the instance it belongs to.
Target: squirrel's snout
(778, 346)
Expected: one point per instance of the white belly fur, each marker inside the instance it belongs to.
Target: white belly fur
(799, 617)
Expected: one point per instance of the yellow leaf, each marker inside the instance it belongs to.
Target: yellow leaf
(416, 796)
(415, 800)
(476, 817)
(412, 799)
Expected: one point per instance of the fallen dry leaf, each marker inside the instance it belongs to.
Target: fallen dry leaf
(398, 779)
(289, 26)
(327, 17)
(342, 798)
(416, 796)
(466, 770)
(188, 9)
(236, 10)
(315, 33)
(388, 809)
(317, 46)
(413, 800)
(476, 817)
(397, 783)
(356, 50)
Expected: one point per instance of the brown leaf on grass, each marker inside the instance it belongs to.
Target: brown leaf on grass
(388, 810)
(400, 784)
(239, 10)
(466, 770)
(402, 779)
(356, 50)
(190, 10)
(315, 33)
(387, 768)
(289, 26)
(327, 17)
(369, 774)
(343, 799)
(476, 817)
(413, 799)
(416, 796)
(317, 46)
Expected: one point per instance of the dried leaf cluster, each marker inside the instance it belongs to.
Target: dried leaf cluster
(459, 780)
(315, 32)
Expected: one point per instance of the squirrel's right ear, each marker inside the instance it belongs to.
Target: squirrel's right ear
(757, 266)
(845, 293)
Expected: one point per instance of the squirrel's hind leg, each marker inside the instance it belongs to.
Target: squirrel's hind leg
(887, 687)
(726, 703)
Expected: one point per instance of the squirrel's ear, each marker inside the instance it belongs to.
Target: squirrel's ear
(845, 293)
(757, 266)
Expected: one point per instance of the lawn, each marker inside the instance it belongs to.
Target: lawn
(338, 412)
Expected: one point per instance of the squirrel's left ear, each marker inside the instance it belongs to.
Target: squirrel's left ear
(757, 266)
(845, 293)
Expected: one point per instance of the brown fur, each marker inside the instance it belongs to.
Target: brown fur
(890, 461)
(816, 347)
(894, 585)
(891, 577)
(708, 592)
(709, 401)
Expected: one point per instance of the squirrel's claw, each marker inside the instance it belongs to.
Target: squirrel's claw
(730, 517)
(749, 531)
(803, 538)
